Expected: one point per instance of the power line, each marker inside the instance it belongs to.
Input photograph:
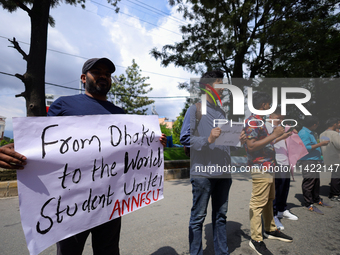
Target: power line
(147, 13)
(48, 83)
(157, 11)
(170, 97)
(72, 55)
(70, 82)
(135, 17)
(118, 94)
(182, 21)
(57, 51)
(129, 24)
(7, 74)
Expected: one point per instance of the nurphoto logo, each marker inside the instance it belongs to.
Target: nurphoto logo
(238, 102)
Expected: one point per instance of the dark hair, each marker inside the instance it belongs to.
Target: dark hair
(310, 121)
(210, 77)
(277, 110)
(330, 122)
(260, 98)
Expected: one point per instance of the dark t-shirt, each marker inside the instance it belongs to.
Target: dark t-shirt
(82, 105)
(256, 129)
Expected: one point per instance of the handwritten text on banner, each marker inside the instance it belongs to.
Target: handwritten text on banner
(230, 134)
(83, 171)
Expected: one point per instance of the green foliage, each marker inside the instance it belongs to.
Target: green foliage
(324, 100)
(306, 45)
(237, 36)
(130, 91)
(165, 130)
(250, 39)
(4, 142)
(174, 153)
(221, 35)
(177, 126)
(176, 129)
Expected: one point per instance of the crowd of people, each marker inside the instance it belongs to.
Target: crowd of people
(265, 146)
(267, 149)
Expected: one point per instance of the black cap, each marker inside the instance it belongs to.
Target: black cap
(91, 62)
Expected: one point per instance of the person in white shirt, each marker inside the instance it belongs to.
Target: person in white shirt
(331, 156)
(282, 179)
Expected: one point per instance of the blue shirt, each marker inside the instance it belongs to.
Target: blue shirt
(202, 152)
(82, 104)
(308, 140)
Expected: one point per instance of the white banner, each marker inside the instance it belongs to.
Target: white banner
(83, 171)
(230, 134)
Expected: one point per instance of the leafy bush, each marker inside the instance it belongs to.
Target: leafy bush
(174, 153)
(4, 142)
(165, 130)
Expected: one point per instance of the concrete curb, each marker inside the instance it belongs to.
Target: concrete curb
(179, 173)
(173, 164)
(8, 188)
(173, 169)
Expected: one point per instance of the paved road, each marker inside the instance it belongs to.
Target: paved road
(162, 228)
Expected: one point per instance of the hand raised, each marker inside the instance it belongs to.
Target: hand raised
(215, 132)
(278, 131)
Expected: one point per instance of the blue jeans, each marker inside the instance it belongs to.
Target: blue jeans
(202, 189)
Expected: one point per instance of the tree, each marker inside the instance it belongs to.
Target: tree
(4, 142)
(130, 89)
(176, 129)
(308, 47)
(234, 36)
(34, 77)
(165, 130)
(177, 126)
(305, 46)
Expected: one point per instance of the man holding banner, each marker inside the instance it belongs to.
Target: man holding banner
(96, 77)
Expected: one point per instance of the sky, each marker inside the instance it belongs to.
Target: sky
(96, 31)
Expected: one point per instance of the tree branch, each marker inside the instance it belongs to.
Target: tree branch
(22, 94)
(21, 77)
(24, 7)
(18, 48)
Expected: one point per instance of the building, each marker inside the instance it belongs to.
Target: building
(49, 100)
(163, 120)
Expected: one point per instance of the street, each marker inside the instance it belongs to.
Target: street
(162, 228)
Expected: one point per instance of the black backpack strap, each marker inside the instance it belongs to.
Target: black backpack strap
(198, 116)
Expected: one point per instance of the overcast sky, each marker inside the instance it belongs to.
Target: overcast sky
(96, 31)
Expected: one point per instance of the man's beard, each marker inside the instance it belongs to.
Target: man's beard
(92, 88)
